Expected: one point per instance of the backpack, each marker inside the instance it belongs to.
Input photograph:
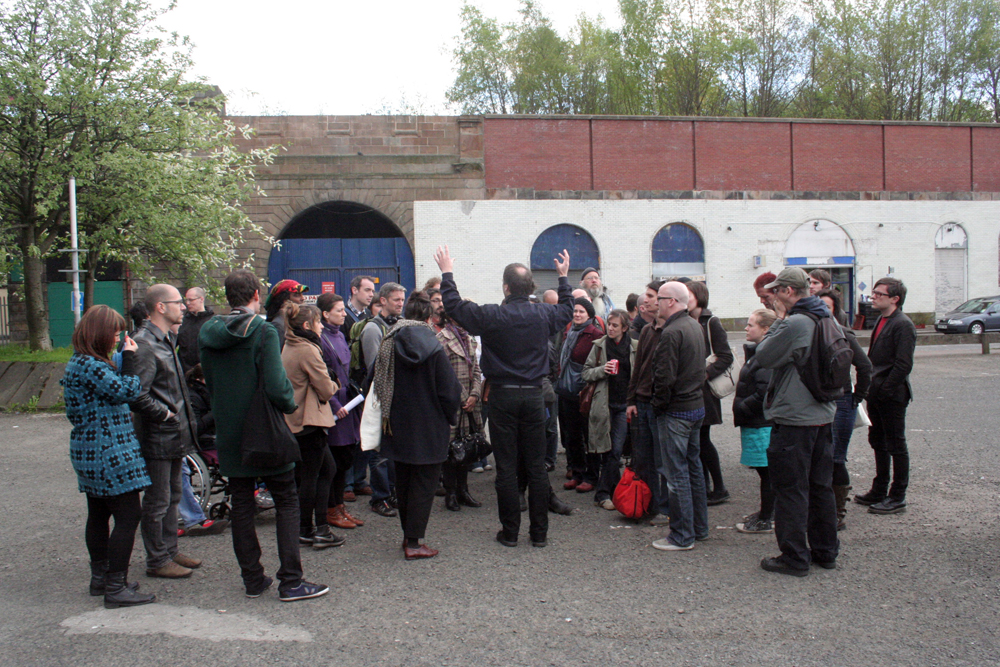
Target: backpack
(359, 369)
(827, 369)
(632, 495)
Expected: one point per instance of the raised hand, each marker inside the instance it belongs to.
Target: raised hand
(444, 260)
(562, 264)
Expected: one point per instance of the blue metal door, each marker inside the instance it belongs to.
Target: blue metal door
(315, 261)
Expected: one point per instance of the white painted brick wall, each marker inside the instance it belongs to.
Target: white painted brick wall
(484, 236)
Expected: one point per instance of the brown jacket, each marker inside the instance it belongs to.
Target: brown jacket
(303, 362)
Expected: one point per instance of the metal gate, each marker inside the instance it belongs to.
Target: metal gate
(313, 262)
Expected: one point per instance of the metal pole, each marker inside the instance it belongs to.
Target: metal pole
(75, 251)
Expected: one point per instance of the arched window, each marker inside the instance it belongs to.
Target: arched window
(582, 249)
(951, 266)
(678, 250)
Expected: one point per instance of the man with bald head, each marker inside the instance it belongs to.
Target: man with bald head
(187, 337)
(679, 404)
(165, 426)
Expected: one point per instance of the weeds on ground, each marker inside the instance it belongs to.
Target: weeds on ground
(22, 353)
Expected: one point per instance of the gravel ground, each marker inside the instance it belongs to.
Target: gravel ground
(920, 588)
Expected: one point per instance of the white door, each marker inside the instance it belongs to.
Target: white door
(949, 279)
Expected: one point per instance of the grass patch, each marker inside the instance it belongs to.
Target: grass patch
(22, 353)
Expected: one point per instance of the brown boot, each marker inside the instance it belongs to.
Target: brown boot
(841, 493)
(335, 517)
(357, 522)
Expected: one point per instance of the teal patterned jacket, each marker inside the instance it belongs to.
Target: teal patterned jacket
(102, 446)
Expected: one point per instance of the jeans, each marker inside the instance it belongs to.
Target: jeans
(887, 436)
(843, 426)
(680, 447)
(517, 428)
(800, 460)
(159, 511)
(189, 507)
(245, 544)
(611, 460)
(646, 456)
(114, 546)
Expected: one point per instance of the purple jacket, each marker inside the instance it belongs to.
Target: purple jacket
(337, 356)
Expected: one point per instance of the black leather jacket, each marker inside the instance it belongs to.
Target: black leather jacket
(163, 390)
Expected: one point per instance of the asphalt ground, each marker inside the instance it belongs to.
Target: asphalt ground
(920, 588)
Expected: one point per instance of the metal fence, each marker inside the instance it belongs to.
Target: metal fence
(4, 321)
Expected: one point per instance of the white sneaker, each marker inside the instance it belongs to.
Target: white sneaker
(488, 466)
(667, 545)
(477, 469)
(608, 504)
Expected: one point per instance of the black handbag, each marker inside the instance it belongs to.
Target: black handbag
(267, 442)
(570, 382)
(469, 447)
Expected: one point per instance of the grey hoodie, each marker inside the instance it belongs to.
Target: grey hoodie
(788, 400)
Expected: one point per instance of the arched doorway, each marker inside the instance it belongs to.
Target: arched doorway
(951, 267)
(328, 244)
(822, 244)
(678, 251)
(583, 253)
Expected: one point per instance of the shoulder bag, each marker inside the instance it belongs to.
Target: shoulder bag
(266, 442)
(721, 385)
(371, 422)
(587, 393)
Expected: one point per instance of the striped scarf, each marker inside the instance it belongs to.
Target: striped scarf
(385, 368)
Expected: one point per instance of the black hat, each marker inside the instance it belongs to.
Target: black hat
(587, 270)
(587, 305)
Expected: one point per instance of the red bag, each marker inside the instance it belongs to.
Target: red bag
(632, 495)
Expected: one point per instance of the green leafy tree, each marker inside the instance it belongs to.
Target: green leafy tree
(92, 90)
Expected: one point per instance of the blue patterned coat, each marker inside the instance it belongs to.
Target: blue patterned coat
(102, 446)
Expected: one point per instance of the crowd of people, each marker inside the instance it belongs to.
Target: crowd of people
(642, 384)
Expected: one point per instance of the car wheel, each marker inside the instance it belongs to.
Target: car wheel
(976, 328)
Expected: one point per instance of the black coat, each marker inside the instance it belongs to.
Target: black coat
(187, 337)
(891, 354)
(426, 397)
(679, 366)
(751, 386)
(717, 340)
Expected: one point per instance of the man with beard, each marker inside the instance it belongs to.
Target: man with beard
(590, 281)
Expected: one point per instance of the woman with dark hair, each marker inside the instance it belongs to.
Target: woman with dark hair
(105, 452)
(847, 408)
(303, 362)
(285, 291)
(343, 437)
(717, 345)
(579, 338)
(420, 398)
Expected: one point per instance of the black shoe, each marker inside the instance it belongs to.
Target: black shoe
(303, 591)
(507, 542)
(97, 572)
(549, 467)
(382, 507)
(117, 592)
(781, 567)
(718, 497)
(465, 499)
(440, 491)
(539, 544)
(524, 503)
(393, 501)
(325, 538)
(825, 564)
(307, 536)
(888, 506)
(257, 591)
(870, 498)
(557, 506)
(451, 502)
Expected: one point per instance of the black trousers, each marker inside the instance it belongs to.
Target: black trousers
(343, 460)
(887, 436)
(574, 428)
(245, 544)
(800, 461)
(415, 487)
(517, 428)
(455, 476)
(313, 477)
(113, 545)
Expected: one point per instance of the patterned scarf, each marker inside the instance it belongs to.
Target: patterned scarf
(385, 368)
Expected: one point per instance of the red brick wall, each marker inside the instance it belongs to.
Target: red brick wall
(636, 154)
(643, 155)
(545, 154)
(837, 157)
(930, 159)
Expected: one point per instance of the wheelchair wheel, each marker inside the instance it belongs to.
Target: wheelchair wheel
(201, 480)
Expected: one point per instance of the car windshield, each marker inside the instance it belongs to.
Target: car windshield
(974, 306)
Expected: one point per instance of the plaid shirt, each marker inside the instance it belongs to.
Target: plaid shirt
(466, 366)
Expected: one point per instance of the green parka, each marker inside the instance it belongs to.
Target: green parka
(599, 438)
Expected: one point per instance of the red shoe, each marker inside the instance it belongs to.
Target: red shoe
(423, 551)
(363, 491)
(349, 497)
(571, 484)
(584, 487)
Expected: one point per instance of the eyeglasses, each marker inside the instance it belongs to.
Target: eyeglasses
(874, 293)
(664, 298)
(176, 301)
(194, 298)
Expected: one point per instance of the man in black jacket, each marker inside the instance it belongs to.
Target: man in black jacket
(679, 404)
(891, 353)
(515, 360)
(187, 337)
(165, 425)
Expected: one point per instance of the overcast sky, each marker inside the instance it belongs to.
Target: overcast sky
(306, 57)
